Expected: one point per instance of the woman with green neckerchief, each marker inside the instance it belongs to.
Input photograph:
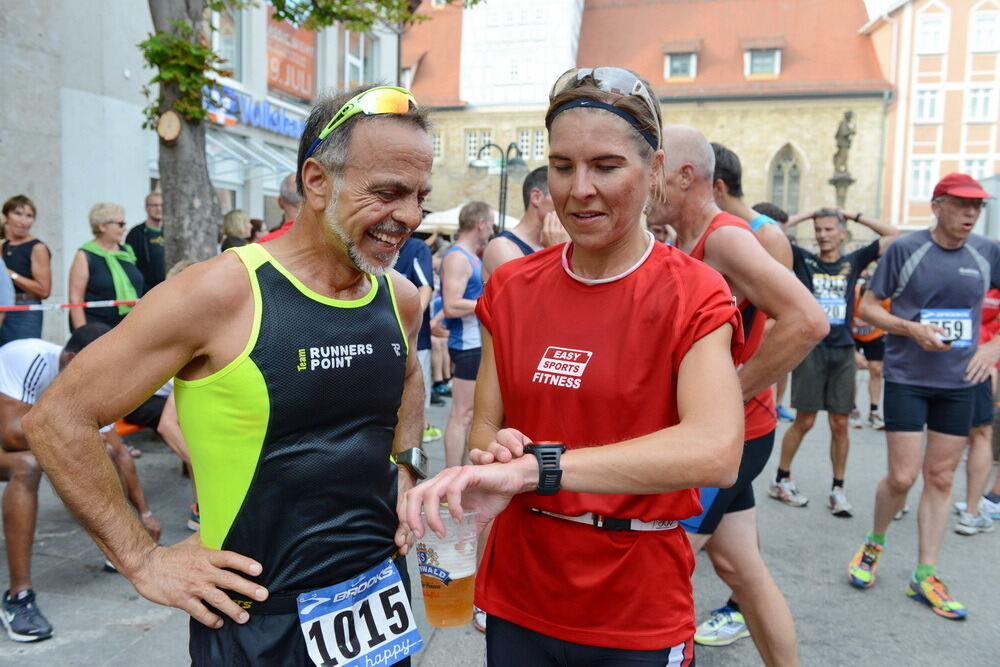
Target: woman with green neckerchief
(104, 270)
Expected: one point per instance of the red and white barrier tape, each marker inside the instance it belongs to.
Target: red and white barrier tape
(59, 306)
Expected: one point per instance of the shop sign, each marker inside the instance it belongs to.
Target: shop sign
(227, 106)
(291, 59)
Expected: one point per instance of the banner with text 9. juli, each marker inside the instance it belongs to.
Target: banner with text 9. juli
(291, 60)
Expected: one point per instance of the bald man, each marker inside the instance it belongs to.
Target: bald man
(727, 528)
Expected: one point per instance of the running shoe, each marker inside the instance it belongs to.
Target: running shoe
(109, 566)
(724, 626)
(442, 389)
(900, 513)
(861, 571)
(432, 433)
(973, 524)
(783, 414)
(786, 492)
(194, 520)
(478, 619)
(935, 595)
(838, 504)
(855, 419)
(437, 400)
(988, 508)
(876, 422)
(22, 619)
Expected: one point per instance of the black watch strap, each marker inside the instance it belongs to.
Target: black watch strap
(549, 472)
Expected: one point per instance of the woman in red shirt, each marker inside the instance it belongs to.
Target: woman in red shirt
(620, 349)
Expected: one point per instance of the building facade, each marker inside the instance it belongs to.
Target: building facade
(71, 130)
(769, 83)
(943, 57)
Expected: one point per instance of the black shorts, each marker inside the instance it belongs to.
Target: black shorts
(148, 414)
(510, 645)
(982, 403)
(908, 408)
(738, 497)
(266, 639)
(466, 362)
(874, 350)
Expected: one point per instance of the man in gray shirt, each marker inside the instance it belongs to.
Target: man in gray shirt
(936, 280)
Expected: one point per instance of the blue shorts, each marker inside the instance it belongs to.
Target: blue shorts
(718, 502)
(908, 408)
(511, 645)
(466, 362)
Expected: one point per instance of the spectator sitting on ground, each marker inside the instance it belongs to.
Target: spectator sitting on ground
(104, 270)
(27, 367)
(236, 229)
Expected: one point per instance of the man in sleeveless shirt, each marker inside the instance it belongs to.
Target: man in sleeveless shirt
(461, 286)
(936, 279)
(539, 226)
(295, 383)
(728, 526)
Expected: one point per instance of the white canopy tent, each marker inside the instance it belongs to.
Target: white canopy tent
(446, 221)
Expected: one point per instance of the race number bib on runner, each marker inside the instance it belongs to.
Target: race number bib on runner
(956, 322)
(362, 622)
(835, 309)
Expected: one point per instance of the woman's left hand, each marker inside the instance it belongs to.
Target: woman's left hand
(507, 445)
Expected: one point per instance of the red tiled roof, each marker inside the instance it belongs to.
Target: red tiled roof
(434, 48)
(821, 50)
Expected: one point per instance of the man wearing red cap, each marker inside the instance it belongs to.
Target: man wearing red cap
(936, 279)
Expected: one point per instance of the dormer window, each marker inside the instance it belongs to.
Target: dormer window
(763, 62)
(762, 56)
(680, 60)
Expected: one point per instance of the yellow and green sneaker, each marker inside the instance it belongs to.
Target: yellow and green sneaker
(935, 595)
(861, 570)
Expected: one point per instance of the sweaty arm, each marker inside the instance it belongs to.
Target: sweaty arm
(925, 335)
(184, 323)
(799, 322)
(498, 251)
(455, 274)
(704, 449)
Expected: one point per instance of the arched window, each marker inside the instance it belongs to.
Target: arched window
(785, 174)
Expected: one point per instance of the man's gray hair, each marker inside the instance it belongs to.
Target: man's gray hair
(332, 151)
(288, 192)
(831, 213)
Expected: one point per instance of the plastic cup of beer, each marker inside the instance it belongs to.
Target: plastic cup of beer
(448, 570)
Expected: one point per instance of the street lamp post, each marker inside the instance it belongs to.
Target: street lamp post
(509, 158)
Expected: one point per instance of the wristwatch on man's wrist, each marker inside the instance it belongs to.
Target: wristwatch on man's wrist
(549, 472)
(13, 276)
(857, 217)
(414, 460)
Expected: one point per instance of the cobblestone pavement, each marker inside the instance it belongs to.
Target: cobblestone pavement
(100, 620)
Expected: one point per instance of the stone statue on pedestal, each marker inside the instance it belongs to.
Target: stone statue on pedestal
(841, 177)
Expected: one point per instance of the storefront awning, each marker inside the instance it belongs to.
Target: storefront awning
(221, 147)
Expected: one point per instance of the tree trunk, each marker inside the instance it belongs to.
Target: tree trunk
(191, 211)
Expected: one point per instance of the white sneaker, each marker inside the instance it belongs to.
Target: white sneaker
(876, 422)
(989, 508)
(838, 504)
(900, 513)
(960, 507)
(973, 524)
(787, 492)
(478, 619)
(855, 419)
(723, 627)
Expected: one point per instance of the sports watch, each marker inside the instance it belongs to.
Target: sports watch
(414, 459)
(549, 472)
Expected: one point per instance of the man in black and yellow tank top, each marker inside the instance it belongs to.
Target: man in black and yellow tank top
(295, 384)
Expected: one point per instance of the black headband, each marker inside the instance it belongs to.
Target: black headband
(621, 113)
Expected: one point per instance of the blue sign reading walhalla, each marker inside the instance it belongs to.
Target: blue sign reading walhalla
(227, 106)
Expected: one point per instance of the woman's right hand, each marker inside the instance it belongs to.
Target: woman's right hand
(507, 445)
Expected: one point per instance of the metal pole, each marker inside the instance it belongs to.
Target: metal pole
(503, 192)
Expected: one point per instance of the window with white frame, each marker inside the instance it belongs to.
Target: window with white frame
(360, 59)
(985, 31)
(928, 108)
(979, 106)
(976, 168)
(921, 179)
(762, 62)
(227, 40)
(436, 145)
(932, 34)
(524, 143)
(539, 144)
(680, 65)
(471, 144)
